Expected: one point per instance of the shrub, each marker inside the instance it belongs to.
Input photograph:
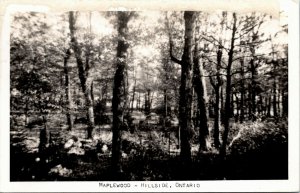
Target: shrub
(258, 136)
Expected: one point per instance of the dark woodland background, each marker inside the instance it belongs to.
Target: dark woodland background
(148, 96)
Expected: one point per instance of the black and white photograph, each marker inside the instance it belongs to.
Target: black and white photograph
(149, 95)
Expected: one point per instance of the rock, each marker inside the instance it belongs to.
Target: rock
(31, 144)
(62, 171)
(69, 143)
(76, 150)
(104, 148)
(124, 155)
(78, 144)
(133, 151)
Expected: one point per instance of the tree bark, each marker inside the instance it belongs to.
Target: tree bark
(83, 74)
(228, 90)
(133, 95)
(269, 106)
(92, 92)
(198, 82)
(242, 114)
(284, 103)
(165, 103)
(185, 100)
(119, 89)
(67, 91)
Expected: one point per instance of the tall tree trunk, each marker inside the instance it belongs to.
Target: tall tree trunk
(133, 95)
(237, 107)
(119, 90)
(274, 100)
(269, 106)
(186, 84)
(82, 73)
(228, 90)
(260, 106)
(198, 82)
(284, 103)
(249, 101)
(242, 114)
(138, 102)
(185, 100)
(148, 102)
(165, 103)
(26, 110)
(217, 119)
(92, 92)
(232, 105)
(222, 104)
(43, 141)
(253, 88)
(67, 91)
(218, 86)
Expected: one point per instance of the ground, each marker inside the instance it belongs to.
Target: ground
(256, 150)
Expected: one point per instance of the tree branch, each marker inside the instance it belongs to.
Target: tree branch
(173, 58)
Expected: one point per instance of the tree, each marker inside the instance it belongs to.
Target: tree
(200, 89)
(83, 72)
(228, 87)
(67, 90)
(185, 101)
(119, 88)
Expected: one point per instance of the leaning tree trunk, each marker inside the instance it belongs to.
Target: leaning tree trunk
(119, 90)
(67, 90)
(83, 74)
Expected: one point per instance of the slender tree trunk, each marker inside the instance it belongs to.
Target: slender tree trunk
(260, 106)
(82, 73)
(43, 142)
(242, 114)
(237, 107)
(148, 103)
(133, 95)
(253, 88)
(278, 102)
(92, 92)
(222, 105)
(274, 100)
(228, 91)
(26, 110)
(249, 102)
(269, 106)
(138, 102)
(217, 119)
(165, 103)
(284, 103)
(119, 90)
(67, 91)
(232, 105)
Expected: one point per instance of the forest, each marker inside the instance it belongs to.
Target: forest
(148, 95)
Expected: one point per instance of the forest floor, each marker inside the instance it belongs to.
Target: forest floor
(256, 150)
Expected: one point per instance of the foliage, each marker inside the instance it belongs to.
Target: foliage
(258, 136)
